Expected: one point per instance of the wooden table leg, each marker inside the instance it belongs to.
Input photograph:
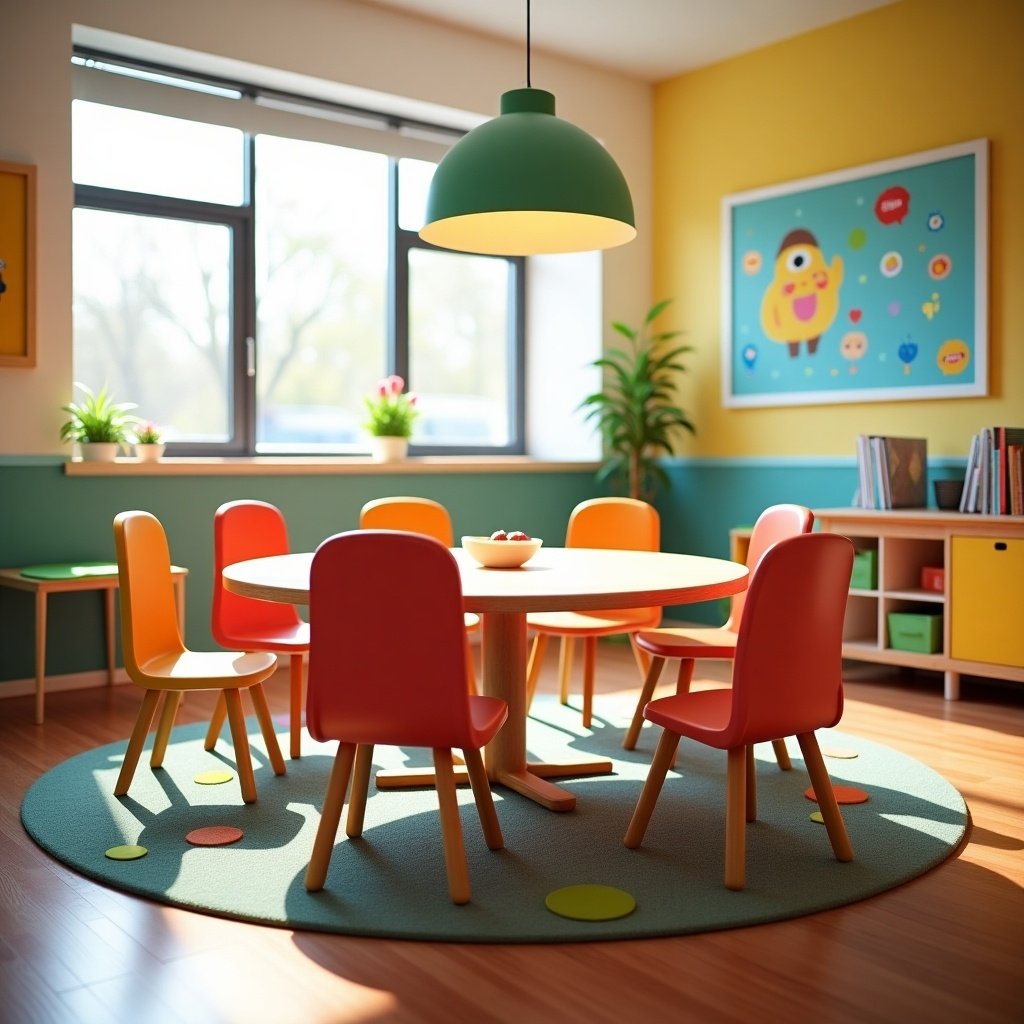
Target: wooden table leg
(40, 652)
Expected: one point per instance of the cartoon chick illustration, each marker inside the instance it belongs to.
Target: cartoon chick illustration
(802, 300)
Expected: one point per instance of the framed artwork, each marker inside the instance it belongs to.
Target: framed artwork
(865, 285)
(17, 264)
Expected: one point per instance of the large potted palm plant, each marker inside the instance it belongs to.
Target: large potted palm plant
(634, 410)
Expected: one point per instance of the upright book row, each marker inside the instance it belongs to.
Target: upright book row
(892, 472)
(994, 482)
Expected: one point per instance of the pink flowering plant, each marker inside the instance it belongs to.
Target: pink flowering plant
(392, 411)
(148, 433)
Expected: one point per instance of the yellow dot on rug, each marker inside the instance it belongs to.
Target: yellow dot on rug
(590, 902)
(840, 752)
(126, 852)
(816, 816)
(213, 778)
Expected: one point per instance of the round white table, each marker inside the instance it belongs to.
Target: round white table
(555, 579)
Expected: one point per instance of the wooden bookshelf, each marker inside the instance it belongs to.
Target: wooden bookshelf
(981, 601)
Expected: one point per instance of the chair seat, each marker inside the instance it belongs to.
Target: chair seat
(700, 714)
(688, 642)
(486, 717)
(283, 639)
(205, 670)
(601, 623)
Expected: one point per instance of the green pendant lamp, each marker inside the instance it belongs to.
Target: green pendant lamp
(528, 183)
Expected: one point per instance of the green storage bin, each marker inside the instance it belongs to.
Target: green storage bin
(915, 631)
(865, 570)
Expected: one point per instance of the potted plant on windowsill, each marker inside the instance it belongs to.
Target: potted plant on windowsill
(100, 426)
(149, 442)
(634, 410)
(391, 415)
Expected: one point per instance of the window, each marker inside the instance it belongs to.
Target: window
(246, 275)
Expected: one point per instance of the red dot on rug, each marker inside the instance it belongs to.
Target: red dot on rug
(844, 795)
(214, 835)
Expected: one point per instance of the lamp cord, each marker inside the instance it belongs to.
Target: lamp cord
(528, 44)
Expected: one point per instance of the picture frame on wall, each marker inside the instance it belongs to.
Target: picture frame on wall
(17, 264)
(868, 284)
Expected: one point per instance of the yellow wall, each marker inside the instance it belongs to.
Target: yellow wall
(913, 76)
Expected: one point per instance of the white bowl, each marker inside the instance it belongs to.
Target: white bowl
(501, 554)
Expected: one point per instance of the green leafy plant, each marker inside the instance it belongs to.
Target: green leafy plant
(96, 419)
(392, 413)
(635, 412)
(148, 433)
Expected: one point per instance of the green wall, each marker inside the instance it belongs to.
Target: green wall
(47, 516)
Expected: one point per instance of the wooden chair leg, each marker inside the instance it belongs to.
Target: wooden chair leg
(735, 819)
(825, 796)
(751, 785)
(540, 644)
(451, 830)
(138, 737)
(172, 701)
(782, 755)
(296, 675)
(484, 799)
(646, 691)
(589, 662)
(327, 831)
(564, 668)
(220, 712)
(262, 709)
(663, 758)
(360, 790)
(243, 759)
(640, 656)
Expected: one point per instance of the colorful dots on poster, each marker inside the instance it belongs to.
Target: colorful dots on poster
(858, 237)
(891, 264)
(932, 306)
(936, 222)
(953, 357)
(940, 267)
(893, 205)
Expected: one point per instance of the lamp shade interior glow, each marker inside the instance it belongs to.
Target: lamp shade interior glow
(526, 183)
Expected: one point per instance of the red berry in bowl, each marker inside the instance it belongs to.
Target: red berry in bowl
(518, 535)
(499, 535)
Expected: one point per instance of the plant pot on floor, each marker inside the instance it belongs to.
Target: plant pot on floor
(388, 449)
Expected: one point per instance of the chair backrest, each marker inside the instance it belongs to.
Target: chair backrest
(149, 617)
(413, 515)
(775, 523)
(243, 530)
(625, 523)
(787, 677)
(387, 651)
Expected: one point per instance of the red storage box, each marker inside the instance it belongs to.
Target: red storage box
(933, 579)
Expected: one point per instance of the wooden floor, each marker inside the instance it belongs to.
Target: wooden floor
(948, 946)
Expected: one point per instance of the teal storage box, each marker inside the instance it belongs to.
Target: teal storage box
(915, 631)
(865, 570)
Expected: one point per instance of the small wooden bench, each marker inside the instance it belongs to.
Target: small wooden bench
(43, 580)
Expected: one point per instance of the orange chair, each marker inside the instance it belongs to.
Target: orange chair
(715, 643)
(157, 660)
(598, 523)
(253, 529)
(370, 683)
(426, 516)
(787, 680)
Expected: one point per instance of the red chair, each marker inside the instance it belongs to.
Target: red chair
(715, 643)
(244, 530)
(157, 660)
(431, 518)
(787, 680)
(624, 523)
(387, 665)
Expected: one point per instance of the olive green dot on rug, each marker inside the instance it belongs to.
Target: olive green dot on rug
(213, 778)
(590, 902)
(214, 835)
(840, 753)
(126, 852)
(816, 816)
(844, 795)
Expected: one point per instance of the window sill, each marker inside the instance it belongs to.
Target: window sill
(323, 466)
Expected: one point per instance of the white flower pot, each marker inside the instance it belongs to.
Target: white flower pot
(389, 449)
(99, 451)
(149, 452)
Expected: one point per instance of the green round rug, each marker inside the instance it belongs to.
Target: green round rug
(391, 882)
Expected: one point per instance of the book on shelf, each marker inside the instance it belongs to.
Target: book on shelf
(991, 486)
(892, 471)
